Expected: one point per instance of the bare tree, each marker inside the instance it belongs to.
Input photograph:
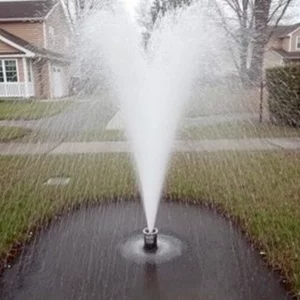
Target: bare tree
(144, 20)
(246, 24)
(78, 8)
(160, 7)
(149, 13)
(265, 12)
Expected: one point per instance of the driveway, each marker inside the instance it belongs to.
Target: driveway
(92, 114)
(85, 115)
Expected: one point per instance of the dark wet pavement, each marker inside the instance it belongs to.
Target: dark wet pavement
(79, 257)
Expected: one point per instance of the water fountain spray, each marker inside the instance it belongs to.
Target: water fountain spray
(151, 85)
(150, 239)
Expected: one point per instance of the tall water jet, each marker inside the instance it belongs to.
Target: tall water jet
(151, 86)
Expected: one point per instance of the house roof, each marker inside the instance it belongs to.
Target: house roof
(288, 55)
(38, 9)
(282, 31)
(39, 52)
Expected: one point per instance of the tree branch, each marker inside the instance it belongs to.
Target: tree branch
(286, 5)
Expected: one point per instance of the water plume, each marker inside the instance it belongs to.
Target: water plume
(153, 85)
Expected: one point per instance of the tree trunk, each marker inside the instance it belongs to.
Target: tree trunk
(261, 14)
(243, 61)
(244, 43)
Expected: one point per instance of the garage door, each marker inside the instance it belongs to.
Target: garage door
(58, 83)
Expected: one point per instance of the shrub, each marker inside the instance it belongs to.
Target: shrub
(283, 84)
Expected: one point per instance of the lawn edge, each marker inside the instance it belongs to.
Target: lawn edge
(17, 247)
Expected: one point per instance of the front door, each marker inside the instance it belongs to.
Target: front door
(58, 81)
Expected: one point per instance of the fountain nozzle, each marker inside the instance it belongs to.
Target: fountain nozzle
(150, 239)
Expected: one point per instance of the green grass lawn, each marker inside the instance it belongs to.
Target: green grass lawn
(261, 190)
(228, 130)
(224, 98)
(30, 110)
(8, 134)
(239, 130)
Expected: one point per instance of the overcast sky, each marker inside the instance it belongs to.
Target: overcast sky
(294, 10)
(131, 6)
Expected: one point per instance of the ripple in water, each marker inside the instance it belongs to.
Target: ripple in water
(169, 247)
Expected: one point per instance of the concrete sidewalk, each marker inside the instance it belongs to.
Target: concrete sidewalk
(124, 147)
(118, 123)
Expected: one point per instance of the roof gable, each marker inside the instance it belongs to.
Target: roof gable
(31, 10)
(60, 8)
(288, 55)
(16, 42)
(5, 48)
(29, 49)
(282, 31)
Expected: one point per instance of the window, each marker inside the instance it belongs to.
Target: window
(298, 43)
(8, 71)
(11, 70)
(1, 72)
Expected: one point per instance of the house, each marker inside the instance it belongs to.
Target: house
(35, 39)
(284, 46)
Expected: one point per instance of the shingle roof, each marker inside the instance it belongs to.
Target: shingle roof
(25, 9)
(288, 55)
(282, 31)
(38, 51)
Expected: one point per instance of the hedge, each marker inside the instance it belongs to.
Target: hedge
(283, 85)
